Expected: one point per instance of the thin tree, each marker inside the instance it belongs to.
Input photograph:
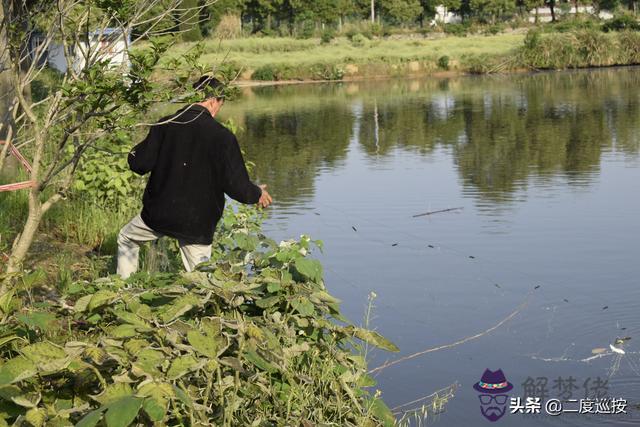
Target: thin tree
(97, 95)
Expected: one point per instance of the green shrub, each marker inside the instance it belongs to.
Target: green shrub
(458, 30)
(476, 64)
(359, 41)
(273, 72)
(225, 345)
(327, 72)
(327, 35)
(443, 62)
(622, 22)
(569, 25)
(494, 29)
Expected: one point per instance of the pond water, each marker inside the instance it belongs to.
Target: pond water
(546, 168)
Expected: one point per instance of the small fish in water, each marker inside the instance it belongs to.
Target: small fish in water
(605, 307)
(395, 244)
(565, 300)
(354, 229)
(622, 340)
(431, 246)
(616, 349)
(316, 213)
(472, 257)
(496, 285)
(536, 287)
(623, 329)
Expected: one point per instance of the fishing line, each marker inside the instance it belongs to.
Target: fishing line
(456, 343)
(480, 264)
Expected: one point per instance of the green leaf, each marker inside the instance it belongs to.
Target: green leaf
(372, 337)
(383, 413)
(178, 308)
(16, 369)
(101, 298)
(82, 303)
(37, 319)
(259, 361)
(309, 268)
(181, 366)
(303, 306)
(156, 400)
(35, 417)
(267, 302)
(207, 346)
(122, 412)
(124, 331)
(114, 392)
(43, 352)
(91, 419)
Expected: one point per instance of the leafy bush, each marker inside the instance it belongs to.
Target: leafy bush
(271, 72)
(358, 40)
(455, 29)
(327, 35)
(327, 71)
(225, 345)
(622, 22)
(443, 62)
(476, 64)
(494, 29)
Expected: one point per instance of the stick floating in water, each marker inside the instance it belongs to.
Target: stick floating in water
(438, 211)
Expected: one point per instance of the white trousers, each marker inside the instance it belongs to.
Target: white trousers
(137, 232)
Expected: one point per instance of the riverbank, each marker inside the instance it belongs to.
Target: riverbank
(259, 61)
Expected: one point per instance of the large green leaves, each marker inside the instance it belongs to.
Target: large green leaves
(16, 369)
(123, 411)
(309, 268)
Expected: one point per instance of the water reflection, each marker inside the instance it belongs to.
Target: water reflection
(501, 130)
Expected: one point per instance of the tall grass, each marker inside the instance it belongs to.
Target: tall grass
(580, 49)
(253, 53)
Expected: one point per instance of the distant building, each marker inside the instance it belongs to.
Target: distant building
(444, 16)
(109, 44)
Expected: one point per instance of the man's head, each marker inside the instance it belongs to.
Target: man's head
(212, 93)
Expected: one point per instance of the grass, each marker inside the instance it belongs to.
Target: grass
(255, 53)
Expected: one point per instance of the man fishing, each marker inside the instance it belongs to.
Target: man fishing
(194, 161)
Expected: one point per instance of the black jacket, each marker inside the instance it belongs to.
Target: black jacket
(193, 161)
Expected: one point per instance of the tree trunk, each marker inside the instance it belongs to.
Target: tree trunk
(553, 11)
(373, 11)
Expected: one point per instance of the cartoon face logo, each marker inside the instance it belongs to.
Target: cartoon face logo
(493, 387)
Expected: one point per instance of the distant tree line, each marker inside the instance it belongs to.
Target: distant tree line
(296, 17)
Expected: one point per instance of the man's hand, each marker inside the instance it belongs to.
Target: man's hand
(265, 198)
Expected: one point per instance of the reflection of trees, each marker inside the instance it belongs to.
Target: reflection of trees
(288, 148)
(500, 129)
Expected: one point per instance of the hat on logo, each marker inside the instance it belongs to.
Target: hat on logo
(493, 383)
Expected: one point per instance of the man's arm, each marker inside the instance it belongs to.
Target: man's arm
(237, 183)
(142, 158)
